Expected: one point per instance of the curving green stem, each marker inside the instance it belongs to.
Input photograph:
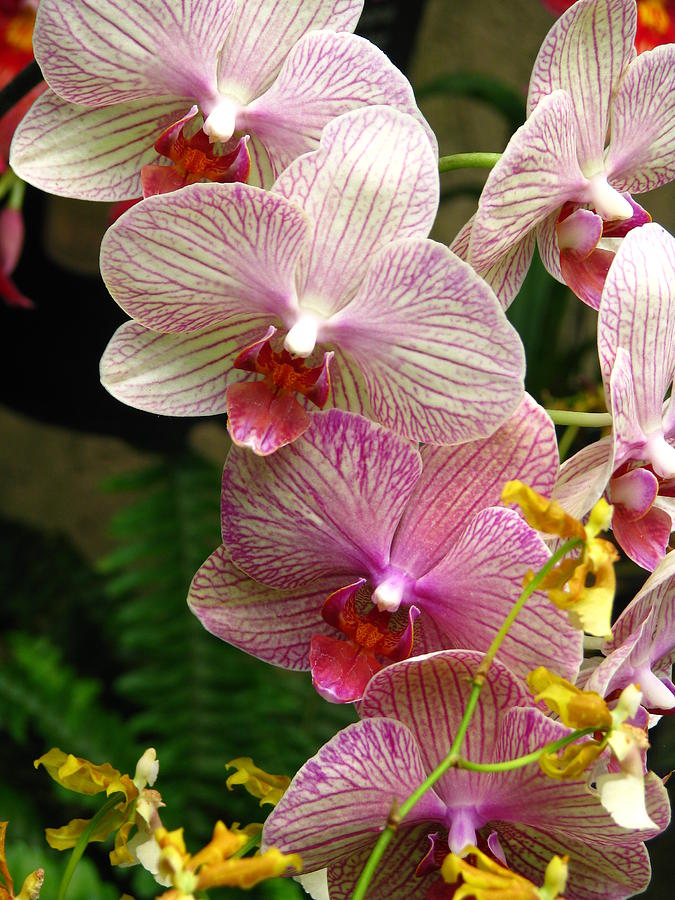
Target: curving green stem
(81, 845)
(250, 844)
(583, 419)
(452, 759)
(520, 761)
(468, 161)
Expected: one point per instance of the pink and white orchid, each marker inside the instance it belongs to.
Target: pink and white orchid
(350, 548)
(600, 127)
(636, 343)
(133, 82)
(340, 800)
(642, 647)
(370, 314)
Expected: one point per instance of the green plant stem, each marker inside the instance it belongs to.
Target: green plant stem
(250, 844)
(468, 161)
(566, 441)
(582, 419)
(81, 846)
(451, 760)
(520, 761)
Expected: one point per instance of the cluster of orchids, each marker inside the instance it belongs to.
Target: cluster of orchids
(395, 518)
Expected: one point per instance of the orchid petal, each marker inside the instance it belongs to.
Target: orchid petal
(635, 491)
(115, 51)
(93, 154)
(470, 591)
(340, 669)
(586, 277)
(457, 482)
(643, 540)
(262, 418)
(373, 179)
(349, 389)
(326, 504)
(585, 54)
(584, 477)
(204, 255)
(428, 695)
(547, 244)
(330, 811)
(396, 878)
(264, 32)
(273, 625)
(637, 314)
(261, 174)
(324, 76)
(441, 363)
(536, 174)
(174, 374)
(506, 276)
(641, 153)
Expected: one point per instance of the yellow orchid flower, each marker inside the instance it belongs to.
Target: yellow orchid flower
(576, 708)
(487, 880)
(32, 885)
(584, 586)
(137, 813)
(215, 865)
(267, 788)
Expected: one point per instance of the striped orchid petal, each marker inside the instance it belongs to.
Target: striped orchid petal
(641, 154)
(90, 153)
(506, 276)
(470, 591)
(636, 343)
(536, 174)
(584, 477)
(324, 76)
(264, 32)
(374, 179)
(457, 482)
(585, 54)
(318, 506)
(437, 354)
(175, 374)
(206, 255)
(115, 51)
(274, 625)
(331, 813)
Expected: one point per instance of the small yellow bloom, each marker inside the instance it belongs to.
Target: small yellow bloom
(576, 708)
(267, 788)
(572, 762)
(31, 887)
(487, 880)
(137, 813)
(213, 866)
(584, 586)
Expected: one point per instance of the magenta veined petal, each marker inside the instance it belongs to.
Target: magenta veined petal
(206, 255)
(159, 48)
(373, 179)
(585, 54)
(263, 32)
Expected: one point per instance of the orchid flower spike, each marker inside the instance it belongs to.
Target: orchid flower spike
(350, 549)
(635, 465)
(600, 128)
(323, 291)
(340, 800)
(149, 97)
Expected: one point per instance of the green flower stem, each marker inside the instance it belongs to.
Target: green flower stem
(520, 761)
(17, 193)
(7, 180)
(566, 441)
(583, 419)
(398, 813)
(468, 161)
(81, 846)
(250, 844)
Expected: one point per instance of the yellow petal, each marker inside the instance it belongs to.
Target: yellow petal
(4, 871)
(68, 835)
(32, 886)
(221, 846)
(84, 777)
(600, 518)
(541, 513)
(248, 871)
(571, 762)
(576, 708)
(485, 879)
(268, 788)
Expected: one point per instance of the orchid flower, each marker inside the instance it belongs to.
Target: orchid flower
(212, 86)
(349, 549)
(600, 127)
(340, 800)
(641, 649)
(374, 317)
(636, 343)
